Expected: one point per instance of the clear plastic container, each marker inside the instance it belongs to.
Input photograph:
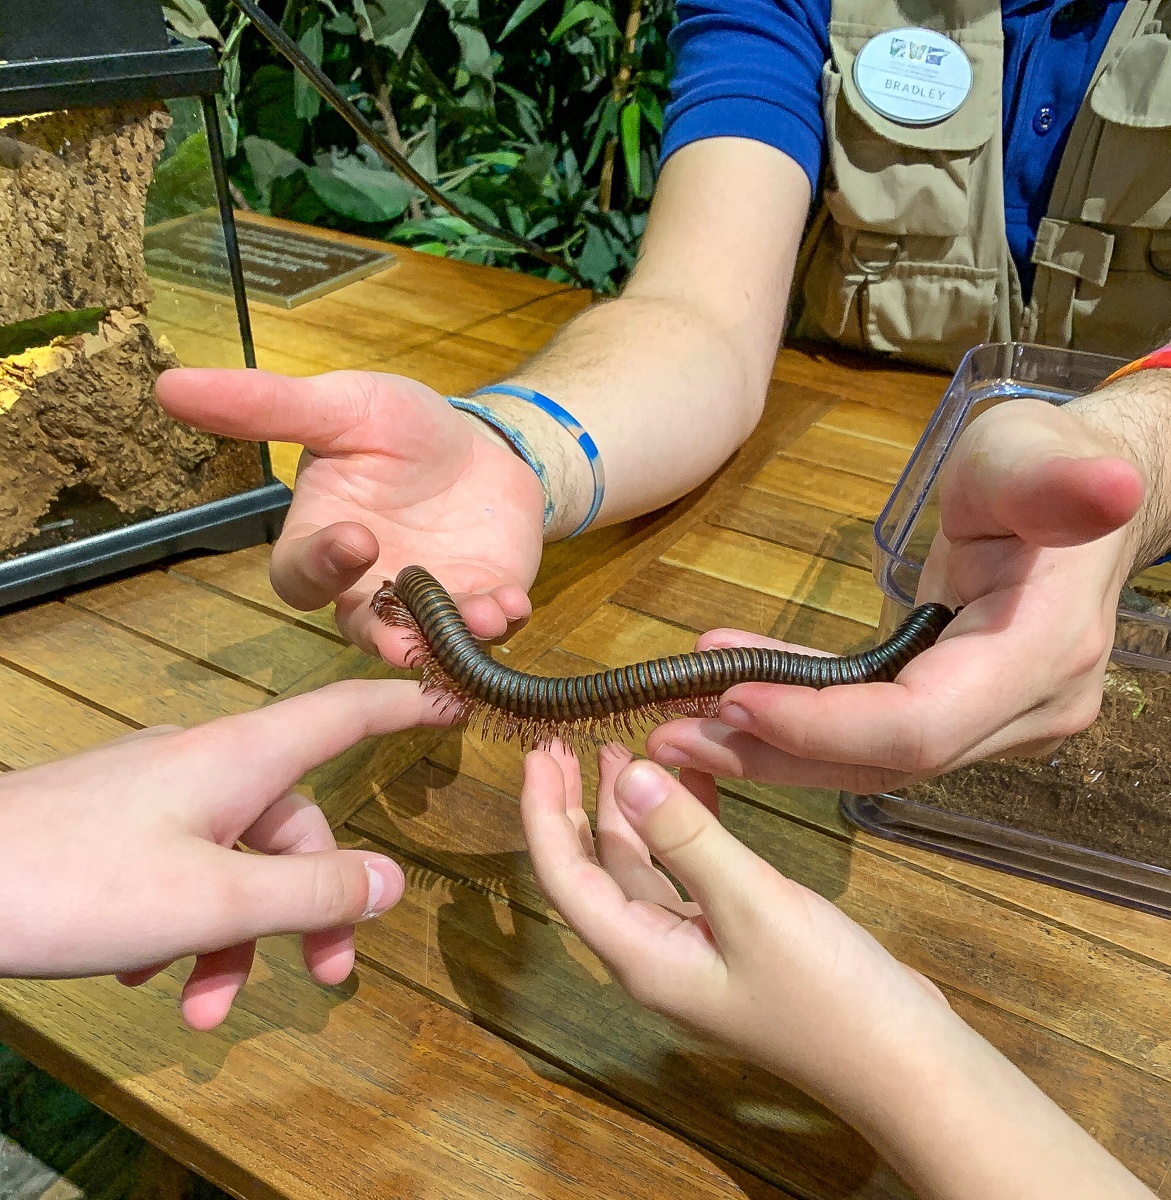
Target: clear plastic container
(903, 534)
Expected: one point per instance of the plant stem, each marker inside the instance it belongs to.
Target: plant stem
(618, 95)
(382, 103)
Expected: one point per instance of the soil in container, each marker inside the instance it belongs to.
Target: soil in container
(1107, 788)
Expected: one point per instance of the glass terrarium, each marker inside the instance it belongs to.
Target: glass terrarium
(109, 134)
(1096, 815)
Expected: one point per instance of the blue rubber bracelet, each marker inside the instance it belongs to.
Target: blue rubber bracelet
(568, 421)
(516, 440)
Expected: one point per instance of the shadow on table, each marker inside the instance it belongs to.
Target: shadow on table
(537, 986)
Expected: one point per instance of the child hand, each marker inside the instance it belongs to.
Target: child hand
(757, 960)
(778, 972)
(122, 859)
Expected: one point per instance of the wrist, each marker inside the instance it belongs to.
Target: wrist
(549, 448)
(1133, 413)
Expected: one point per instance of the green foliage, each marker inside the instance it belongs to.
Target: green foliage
(543, 116)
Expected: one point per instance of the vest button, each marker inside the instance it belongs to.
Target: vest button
(1043, 120)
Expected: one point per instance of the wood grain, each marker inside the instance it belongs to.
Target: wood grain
(244, 576)
(115, 671)
(366, 1090)
(243, 642)
(39, 723)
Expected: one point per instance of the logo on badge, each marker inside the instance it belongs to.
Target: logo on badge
(913, 76)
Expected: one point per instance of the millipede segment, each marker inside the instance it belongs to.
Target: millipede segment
(588, 710)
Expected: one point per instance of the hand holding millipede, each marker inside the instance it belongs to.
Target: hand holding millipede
(588, 710)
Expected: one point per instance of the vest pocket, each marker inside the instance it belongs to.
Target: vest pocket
(899, 179)
(1130, 181)
(923, 310)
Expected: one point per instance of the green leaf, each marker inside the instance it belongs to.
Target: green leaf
(607, 127)
(475, 53)
(389, 23)
(268, 107)
(183, 183)
(522, 12)
(189, 18)
(342, 24)
(651, 109)
(306, 102)
(585, 10)
(269, 162)
(359, 191)
(631, 127)
(40, 331)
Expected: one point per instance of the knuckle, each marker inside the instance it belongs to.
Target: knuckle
(328, 893)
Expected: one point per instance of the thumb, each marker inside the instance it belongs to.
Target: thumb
(1029, 469)
(720, 873)
(304, 893)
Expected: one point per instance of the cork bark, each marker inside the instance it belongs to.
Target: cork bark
(72, 198)
(78, 416)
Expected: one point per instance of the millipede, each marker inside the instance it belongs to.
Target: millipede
(588, 710)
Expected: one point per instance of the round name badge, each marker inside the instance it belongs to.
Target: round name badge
(913, 76)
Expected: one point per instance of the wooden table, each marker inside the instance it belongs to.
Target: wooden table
(479, 1049)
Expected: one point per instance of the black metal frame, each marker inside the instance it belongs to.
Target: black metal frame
(246, 519)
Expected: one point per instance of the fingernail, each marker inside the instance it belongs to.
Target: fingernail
(345, 558)
(642, 788)
(735, 715)
(386, 884)
(672, 756)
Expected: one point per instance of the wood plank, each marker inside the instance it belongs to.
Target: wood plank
(800, 526)
(1141, 934)
(845, 451)
(127, 676)
(700, 602)
(244, 574)
(242, 641)
(831, 587)
(877, 425)
(615, 636)
(536, 983)
(866, 379)
(455, 366)
(448, 821)
(823, 487)
(1065, 987)
(39, 723)
(284, 457)
(345, 328)
(309, 1093)
(530, 327)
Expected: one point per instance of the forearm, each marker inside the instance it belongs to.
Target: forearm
(958, 1121)
(669, 379)
(966, 1124)
(664, 393)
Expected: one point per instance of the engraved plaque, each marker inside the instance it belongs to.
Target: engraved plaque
(281, 266)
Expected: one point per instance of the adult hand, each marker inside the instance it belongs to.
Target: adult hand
(122, 859)
(1035, 545)
(391, 475)
(779, 973)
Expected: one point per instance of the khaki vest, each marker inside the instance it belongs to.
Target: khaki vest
(907, 253)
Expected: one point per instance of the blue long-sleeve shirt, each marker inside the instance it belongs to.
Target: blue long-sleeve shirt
(752, 68)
